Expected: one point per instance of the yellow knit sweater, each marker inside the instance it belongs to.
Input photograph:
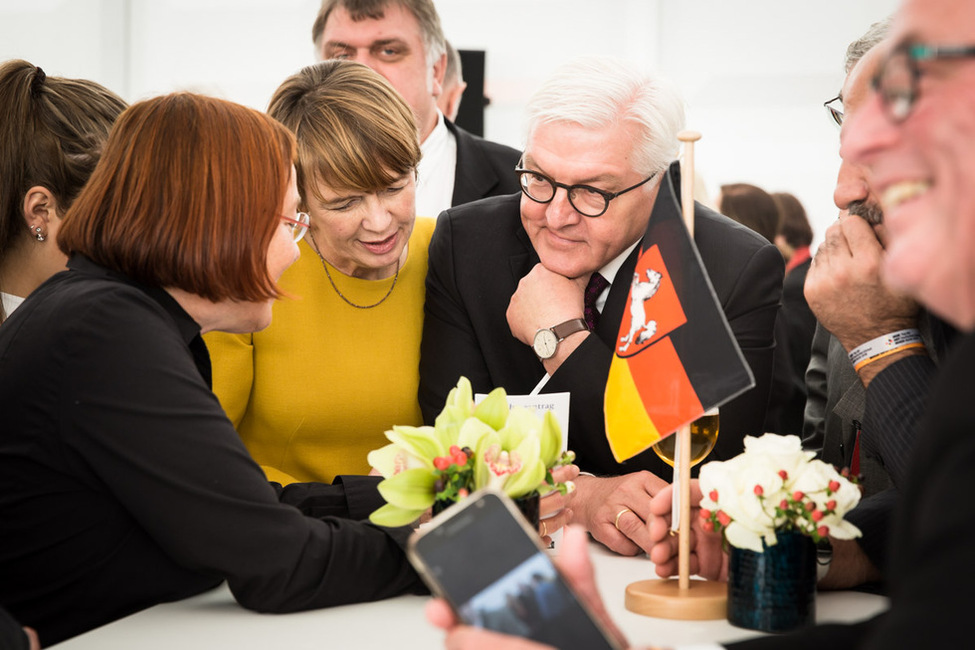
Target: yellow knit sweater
(313, 393)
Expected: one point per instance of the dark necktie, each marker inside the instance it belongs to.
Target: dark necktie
(597, 284)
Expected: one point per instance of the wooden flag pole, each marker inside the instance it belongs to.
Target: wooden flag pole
(681, 599)
(684, 439)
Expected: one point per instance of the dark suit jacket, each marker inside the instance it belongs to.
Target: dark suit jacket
(793, 340)
(478, 254)
(484, 168)
(932, 556)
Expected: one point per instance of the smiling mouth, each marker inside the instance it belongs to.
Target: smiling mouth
(899, 193)
(380, 247)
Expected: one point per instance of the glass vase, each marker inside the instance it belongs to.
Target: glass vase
(774, 591)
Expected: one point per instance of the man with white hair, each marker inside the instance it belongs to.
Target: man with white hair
(916, 137)
(402, 40)
(522, 288)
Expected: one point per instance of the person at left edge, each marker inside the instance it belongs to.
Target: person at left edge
(505, 267)
(122, 483)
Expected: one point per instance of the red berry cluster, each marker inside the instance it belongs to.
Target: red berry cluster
(457, 456)
(455, 474)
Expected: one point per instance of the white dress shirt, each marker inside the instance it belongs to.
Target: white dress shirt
(10, 302)
(435, 181)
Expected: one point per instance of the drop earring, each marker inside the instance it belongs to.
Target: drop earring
(38, 233)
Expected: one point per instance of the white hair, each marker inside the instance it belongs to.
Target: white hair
(596, 92)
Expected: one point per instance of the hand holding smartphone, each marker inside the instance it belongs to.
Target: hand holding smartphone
(484, 560)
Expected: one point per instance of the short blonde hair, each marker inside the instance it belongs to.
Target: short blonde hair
(354, 131)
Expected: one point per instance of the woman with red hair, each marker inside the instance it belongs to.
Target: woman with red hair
(122, 483)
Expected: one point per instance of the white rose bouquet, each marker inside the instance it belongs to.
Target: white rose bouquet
(775, 486)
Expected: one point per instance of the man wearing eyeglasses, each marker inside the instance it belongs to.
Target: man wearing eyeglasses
(527, 291)
(854, 305)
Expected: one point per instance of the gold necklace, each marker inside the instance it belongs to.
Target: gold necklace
(332, 282)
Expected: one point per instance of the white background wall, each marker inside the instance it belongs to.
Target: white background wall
(754, 73)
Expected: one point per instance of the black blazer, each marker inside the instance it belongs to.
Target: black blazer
(484, 168)
(478, 254)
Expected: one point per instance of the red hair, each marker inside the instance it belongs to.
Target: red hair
(187, 195)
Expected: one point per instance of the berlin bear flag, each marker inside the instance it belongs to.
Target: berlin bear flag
(675, 356)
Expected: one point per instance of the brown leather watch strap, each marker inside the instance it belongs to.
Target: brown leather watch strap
(569, 327)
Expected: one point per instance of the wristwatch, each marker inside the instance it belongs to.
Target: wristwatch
(547, 340)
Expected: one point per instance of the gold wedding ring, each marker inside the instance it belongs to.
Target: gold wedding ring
(618, 515)
(544, 529)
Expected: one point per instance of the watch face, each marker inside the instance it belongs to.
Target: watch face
(545, 343)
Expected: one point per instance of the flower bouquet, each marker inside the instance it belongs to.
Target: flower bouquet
(773, 503)
(775, 487)
(468, 448)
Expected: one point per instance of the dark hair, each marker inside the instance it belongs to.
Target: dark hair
(354, 131)
(750, 206)
(793, 223)
(51, 134)
(187, 195)
(424, 11)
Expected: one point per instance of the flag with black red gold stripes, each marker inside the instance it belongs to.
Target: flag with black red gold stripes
(675, 356)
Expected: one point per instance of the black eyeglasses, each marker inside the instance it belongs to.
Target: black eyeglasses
(835, 109)
(587, 200)
(897, 79)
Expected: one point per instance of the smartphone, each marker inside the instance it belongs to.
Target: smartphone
(481, 556)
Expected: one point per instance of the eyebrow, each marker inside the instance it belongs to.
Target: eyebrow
(602, 178)
(388, 41)
(378, 43)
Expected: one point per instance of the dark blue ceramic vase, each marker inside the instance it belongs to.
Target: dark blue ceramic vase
(774, 591)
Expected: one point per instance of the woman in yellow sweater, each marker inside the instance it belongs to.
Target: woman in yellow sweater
(313, 393)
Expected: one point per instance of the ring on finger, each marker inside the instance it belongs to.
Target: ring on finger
(618, 515)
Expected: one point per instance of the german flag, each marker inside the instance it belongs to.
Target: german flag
(675, 355)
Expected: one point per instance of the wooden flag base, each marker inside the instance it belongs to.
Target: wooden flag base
(703, 600)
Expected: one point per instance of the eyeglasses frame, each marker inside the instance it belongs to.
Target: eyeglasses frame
(608, 196)
(835, 113)
(304, 224)
(915, 52)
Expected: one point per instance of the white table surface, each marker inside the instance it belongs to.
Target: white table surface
(213, 620)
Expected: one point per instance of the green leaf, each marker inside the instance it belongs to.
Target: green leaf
(421, 442)
(550, 438)
(385, 458)
(521, 423)
(471, 433)
(411, 490)
(462, 396)
(493, 410)
(532, 472)
(392, 516)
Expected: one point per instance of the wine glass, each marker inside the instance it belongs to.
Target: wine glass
(704, 433)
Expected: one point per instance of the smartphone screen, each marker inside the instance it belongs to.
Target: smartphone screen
(496, 576)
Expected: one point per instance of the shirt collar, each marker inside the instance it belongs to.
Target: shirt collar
(612, 267)
(437, 137)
